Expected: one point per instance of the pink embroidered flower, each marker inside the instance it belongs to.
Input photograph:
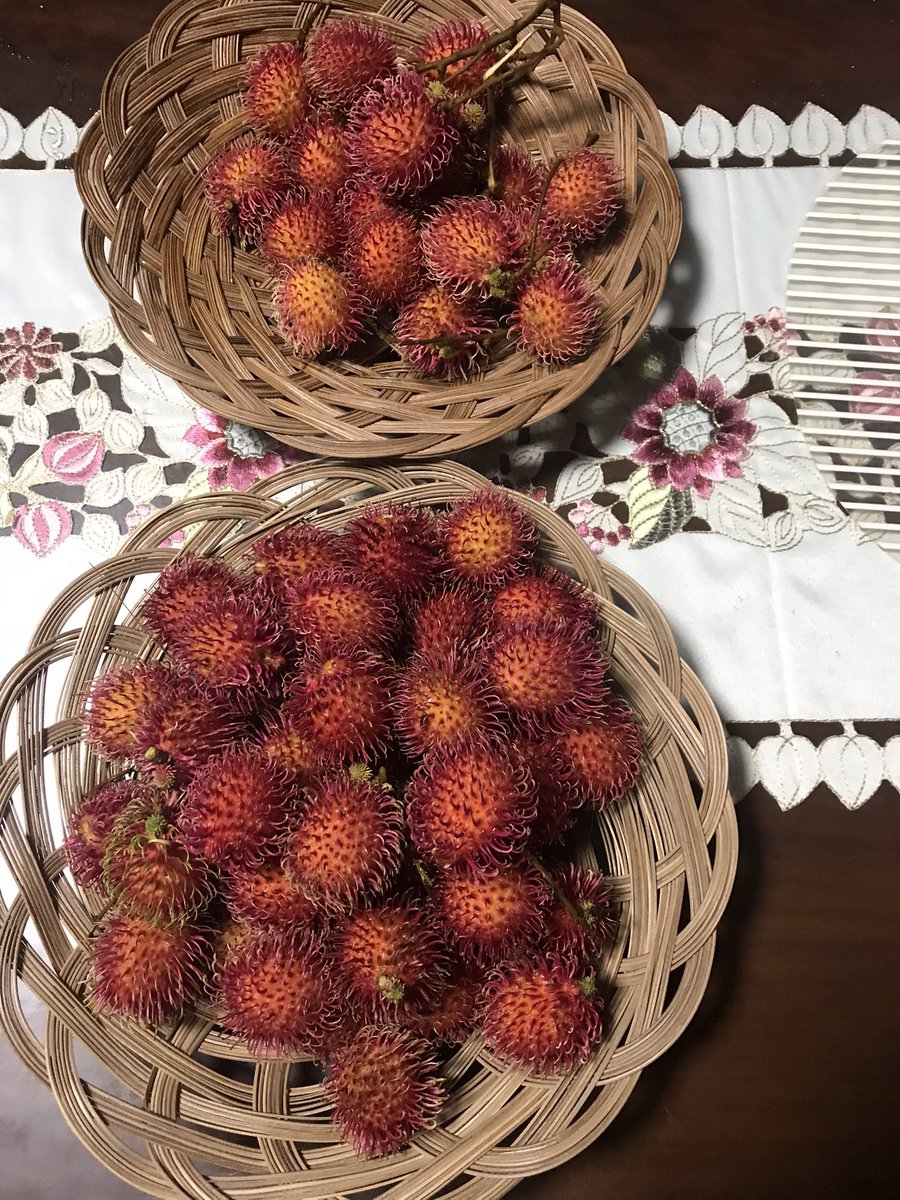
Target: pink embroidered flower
(42, 527)
(870, 386)
(138, 515)
(74, 457)
(234, 455)
(27, 352)
(691, 434)
(772, 329)
(884, 331)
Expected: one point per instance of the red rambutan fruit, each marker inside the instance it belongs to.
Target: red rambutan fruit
(385, 1088)
(558, 796)
(342, 607)
(538, 596)
(466, 75)
(286, 742)
(398, 138)
(116, 704)
(550, 675)
(556, 312)
(472, 244)
(452, 619)
(243, 183)
(580, 920)
(518, 181)
(274, 993)
(291, 553)
(347, 842)
(444, 702)
(302, 227)
(473, 804)
(584, 194)
(317, 308)
(456, 1013)
(441, 334)
(184, 727)
(235, 808)
(385, 259)
(492, 914)
(603, 753)
(267, 896)
(345, 58)
(148, 969)
(342, 702)
(488, 537)
(90, 826)
(362, 202)
(277, 93)
(182, 588)
(542, 1015)
(399, 544)
(319, 158)
(390, 960)
(230, 641)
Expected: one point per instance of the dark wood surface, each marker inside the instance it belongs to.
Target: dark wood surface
(787, 1083)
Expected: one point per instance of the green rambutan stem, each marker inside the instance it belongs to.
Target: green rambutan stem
(391, 988)
(588, 986)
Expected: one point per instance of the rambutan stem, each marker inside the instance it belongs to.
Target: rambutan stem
(530, 260)
(510, 34)
(558, 892)
(492, 142)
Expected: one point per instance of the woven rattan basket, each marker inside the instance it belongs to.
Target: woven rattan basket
(200, 311)
(176, 1124)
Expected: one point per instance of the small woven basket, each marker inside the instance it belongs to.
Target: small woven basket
(209, 1123)
(200, 310)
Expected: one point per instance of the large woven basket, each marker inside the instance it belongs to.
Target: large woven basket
(190, 1115)
(200, 311)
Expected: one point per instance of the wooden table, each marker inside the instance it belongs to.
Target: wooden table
(787, 1083)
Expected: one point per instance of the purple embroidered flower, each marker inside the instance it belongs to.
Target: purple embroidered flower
(42, 527)
(234, 455)
(883, 331)
(27, 352)
(691, 434)
(74, 457)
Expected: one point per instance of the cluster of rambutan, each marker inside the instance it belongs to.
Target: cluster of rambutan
(366, 185)
(342, 803)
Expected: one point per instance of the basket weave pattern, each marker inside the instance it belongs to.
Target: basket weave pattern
(200, 310)
(669, 849)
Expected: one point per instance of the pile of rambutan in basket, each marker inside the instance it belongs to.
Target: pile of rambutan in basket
(346, 800)
(388, 210)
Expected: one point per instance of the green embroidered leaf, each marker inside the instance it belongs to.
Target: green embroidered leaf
(655, 513)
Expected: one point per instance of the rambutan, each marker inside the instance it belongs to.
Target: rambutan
(550, 676)
(456, 1013)
(556, 313)
(235, 808)
(488, 538)
(303, 226)
(347, 842)
(319, 156)
(274, 993)
(603, 753)
(89, 828)
(441, 334)
(518, 181)
(452, 619)
(444, 702)
(492, 914)
(277, 93)
(345, 58)
(399, 544)
(538, 596)
(558, 796)
(542, 1015)
(385, 259)
(182, 588)
(267, 897)
(342, 607)
(475, 805)
(229, 936)
(385, 1088)
(317, 308)
(390, 960)
(184, 727)
(473, 245)
(243, 183)
(148, 969)
(289, 554)
(580, 921)
(362, 202)
(584, 194)
(342, 702)
(286, 742)
(117, 703)
(464, 76)
(398, 138)
(229, 641)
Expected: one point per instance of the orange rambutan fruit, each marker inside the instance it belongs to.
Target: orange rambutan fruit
(472, 245)
(346, 58)
(148, 969)
(542, 1015)
(464, 76)
(518, 181)
(289, 554)
(556, 312)
(317, 308)
(89, 828)
(399, 139)
(542, 595)
(362, 202)
(116, 704)
(473, 805)
(558, 797)
(342, 607)
(266, 896)
(584, 194)
(243, 183)
(490, 915)
(319, 158)
(286, 742)
(347, 842)
(441, 334)
(603, 753)
(390, 960)
(183, 587)
(232, 640)
(455, 1015)
(451, 619)
(488, 538)
(303, 226)
(550, 676)
(579, 922)
(385, 259)
(342, 702)
(385, 1088)
(184, 727)
(397, 543)
(277, 93)
(443, 702)
(235, 808)
(274, 993)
